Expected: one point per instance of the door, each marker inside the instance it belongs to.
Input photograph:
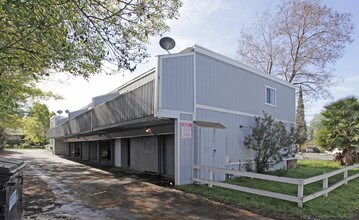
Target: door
(212, 150)
(168, 149)
(144, 154)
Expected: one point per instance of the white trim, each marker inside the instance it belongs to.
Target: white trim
(178, 173)
(140, 135)
(186, 121)
(176, 55)
(192, 151)
(270, 105)
(159, 75)
(216, 109)
(166, 113)
(143, 75)
(199, 150)
(155, 101)
(265, 96)
(233, 62)
(177, 153)
(194, 87)
(212, 108)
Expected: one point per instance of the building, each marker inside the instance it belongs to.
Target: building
(193, 108)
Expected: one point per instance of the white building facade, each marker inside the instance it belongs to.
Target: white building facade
(195, 107)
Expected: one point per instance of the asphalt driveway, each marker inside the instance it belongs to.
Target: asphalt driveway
(58, 188)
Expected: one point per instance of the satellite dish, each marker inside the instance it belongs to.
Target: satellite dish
(59, 112)
(67, 111)
(167, 43)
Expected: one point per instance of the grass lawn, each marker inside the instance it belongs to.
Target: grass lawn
(340, 203)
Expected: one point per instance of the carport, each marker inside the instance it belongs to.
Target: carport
(144, 145)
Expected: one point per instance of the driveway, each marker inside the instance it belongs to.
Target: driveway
(58, 188)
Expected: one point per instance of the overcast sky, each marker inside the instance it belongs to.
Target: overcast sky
(214, 24)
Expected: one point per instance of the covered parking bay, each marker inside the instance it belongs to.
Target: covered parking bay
(146, 145)
(120, 130)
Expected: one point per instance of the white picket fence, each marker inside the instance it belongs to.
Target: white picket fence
(299, 199)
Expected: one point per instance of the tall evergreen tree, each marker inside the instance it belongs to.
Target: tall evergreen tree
(301, 127)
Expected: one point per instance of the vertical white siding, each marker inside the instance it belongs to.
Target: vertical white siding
(212, 147)
(176, 81)
(186, 117)
(223, 85)
(232, 137)
(184, 155)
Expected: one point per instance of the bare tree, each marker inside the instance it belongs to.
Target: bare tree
(299, 41)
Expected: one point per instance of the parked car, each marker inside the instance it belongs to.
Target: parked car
(312, 150)
(336, 150)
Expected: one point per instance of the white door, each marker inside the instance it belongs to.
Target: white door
(212, 150)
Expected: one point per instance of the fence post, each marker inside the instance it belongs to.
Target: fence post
(346, 176)
(210, 177)
(325, 185)
(300, 194)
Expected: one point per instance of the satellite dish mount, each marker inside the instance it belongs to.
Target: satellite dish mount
(167, 44)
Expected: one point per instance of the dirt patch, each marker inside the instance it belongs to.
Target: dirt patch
(119, 172)
(37, 196)
(55, 188)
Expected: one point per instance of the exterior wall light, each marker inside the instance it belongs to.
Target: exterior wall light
(150, 131)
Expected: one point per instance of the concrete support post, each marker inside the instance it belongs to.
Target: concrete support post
(98, 152)
(117, 154)
(177, 152)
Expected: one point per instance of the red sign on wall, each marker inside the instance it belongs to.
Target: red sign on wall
(186, 130)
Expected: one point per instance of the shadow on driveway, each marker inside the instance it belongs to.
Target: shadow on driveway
(58, 188)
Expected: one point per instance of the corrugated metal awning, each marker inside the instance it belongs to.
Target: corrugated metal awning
(206, 124)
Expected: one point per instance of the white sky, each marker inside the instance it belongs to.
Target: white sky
(214, 24)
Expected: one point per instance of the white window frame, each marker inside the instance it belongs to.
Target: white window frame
(275, 96)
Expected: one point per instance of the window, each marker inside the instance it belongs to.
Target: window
(271, 96)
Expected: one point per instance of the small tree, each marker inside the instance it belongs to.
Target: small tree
(300, 125)
(339, 128)
(36, 123)
(272, 140)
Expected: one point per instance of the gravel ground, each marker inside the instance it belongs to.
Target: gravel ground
(56, 188)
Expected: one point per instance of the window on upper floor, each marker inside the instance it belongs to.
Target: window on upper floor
(271, 96)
